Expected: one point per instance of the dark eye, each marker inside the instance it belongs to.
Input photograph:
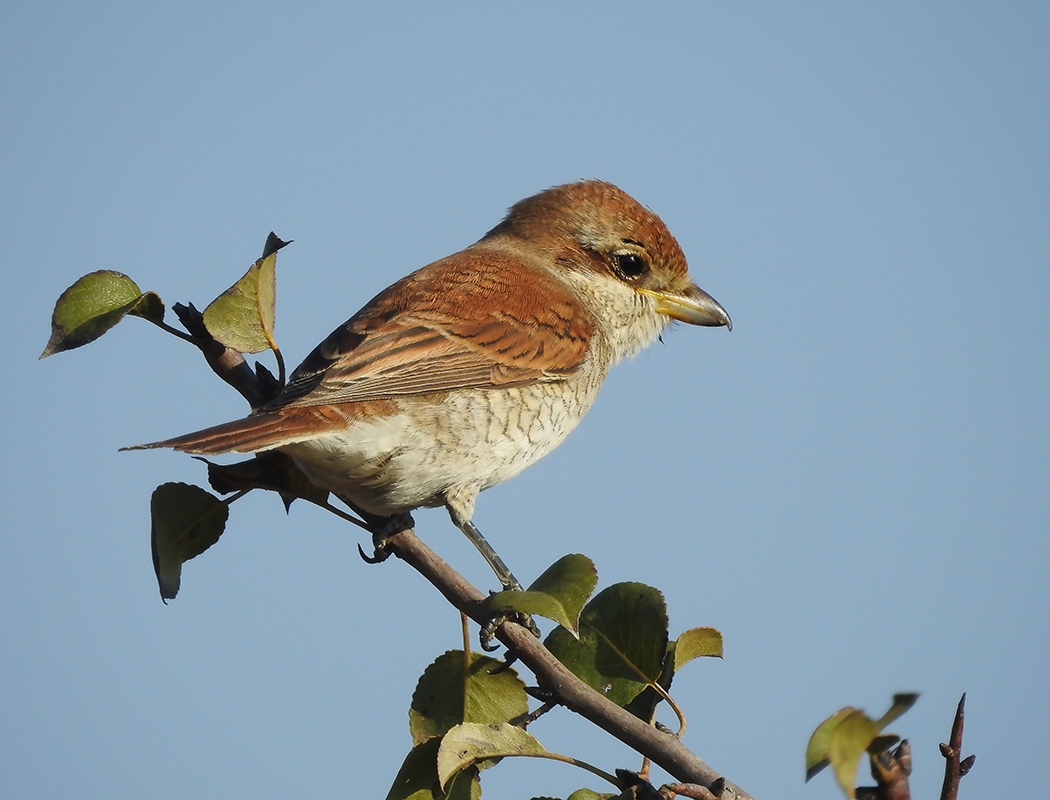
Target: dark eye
(630, 265)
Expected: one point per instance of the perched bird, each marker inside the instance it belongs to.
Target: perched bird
(462, 374)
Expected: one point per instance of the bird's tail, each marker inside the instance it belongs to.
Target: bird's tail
(248, 435)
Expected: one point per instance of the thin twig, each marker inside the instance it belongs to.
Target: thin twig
(955, 766)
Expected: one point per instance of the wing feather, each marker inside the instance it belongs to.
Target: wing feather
(463, 322)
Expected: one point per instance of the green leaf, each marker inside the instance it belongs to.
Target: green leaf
(589, 794)
(418, 778)
(846, 735)
(622, 642)
(242, 317)
(454, 690)
(187, 520)
(558, 594)
(570, 580)
(467, 744)
(849, 741)
(149, 307)
(537, 604)
(92, 306)
(465, 786)
(819, 741)
(695, 643)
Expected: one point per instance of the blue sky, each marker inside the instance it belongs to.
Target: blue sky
(852, 485)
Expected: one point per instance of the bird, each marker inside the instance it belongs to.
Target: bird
(463, 373)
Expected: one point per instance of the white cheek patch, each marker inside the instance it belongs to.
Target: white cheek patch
(631, 321)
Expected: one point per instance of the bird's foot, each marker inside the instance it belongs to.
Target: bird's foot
(488, 630)
(383, 530)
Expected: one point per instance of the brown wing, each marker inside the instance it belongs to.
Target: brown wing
(480, 318)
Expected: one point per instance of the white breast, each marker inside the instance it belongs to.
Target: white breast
(389, 465)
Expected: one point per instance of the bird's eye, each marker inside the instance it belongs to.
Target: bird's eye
(630, 265)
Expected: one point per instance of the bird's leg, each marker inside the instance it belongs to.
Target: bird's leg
(506, 577)
(459, 501)
(509, 583)
(460, 504)
(503, 573)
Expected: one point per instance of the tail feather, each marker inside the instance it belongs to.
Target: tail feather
(248, 435)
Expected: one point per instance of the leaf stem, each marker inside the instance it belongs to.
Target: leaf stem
(173, 331)
(574, 762)
(656, 687)
(281, 371)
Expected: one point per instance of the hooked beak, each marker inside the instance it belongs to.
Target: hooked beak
(694, 306)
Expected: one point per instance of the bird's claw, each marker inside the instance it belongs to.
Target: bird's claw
(488, 633)
(488, 630)
(379, 553)
(383, 530)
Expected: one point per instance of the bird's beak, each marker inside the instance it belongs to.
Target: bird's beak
(694, 306)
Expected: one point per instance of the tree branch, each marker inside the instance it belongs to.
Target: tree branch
(564, 687)
(257, 387)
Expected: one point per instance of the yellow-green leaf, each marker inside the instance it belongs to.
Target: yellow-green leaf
(242, 317)
(695, 643)
(187, 520)
(849, 741)
(89, 308)
(471, 742)
(817, 749)
(843, 738)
